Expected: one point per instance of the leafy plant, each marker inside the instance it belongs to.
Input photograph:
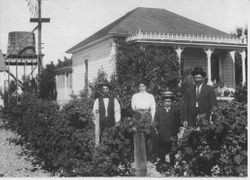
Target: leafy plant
(217, 147)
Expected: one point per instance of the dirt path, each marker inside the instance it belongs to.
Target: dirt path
(11, 163)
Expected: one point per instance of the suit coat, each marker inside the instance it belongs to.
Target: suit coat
(167, 123)
(206, 100)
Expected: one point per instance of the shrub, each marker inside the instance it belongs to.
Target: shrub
(47, 85)
(241, 93)
(214, 149)
(62, 141)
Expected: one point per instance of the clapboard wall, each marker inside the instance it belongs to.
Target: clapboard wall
(98, 56)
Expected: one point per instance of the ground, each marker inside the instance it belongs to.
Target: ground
(12, 164)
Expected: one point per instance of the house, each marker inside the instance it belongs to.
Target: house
(63, 82)
(195, 44)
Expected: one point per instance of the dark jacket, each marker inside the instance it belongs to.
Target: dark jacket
(167, 123)
(109, 121)
(206, 100)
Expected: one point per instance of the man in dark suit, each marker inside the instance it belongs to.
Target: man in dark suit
(198, 99)
(167, 121)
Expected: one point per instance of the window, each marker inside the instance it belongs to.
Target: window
(69, 80)
(61, 78)
(86, 74)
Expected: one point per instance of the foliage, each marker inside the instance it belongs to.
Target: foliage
(158, 66)
(96, 90)
(47, 86)
(241, 93)
(62, 141)
(29, 85)
(8, 94)
(113, 156)
(64, 63)
(217, 147)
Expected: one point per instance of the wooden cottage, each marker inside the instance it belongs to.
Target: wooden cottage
(196, 44)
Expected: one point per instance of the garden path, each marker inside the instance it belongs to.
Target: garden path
(12, 164)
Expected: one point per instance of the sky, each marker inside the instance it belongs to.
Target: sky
(71, 21)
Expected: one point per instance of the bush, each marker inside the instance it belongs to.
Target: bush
(47, 85)
(62, 141)
(214, 149)
(241, 93)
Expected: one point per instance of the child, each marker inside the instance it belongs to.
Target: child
(167, 121)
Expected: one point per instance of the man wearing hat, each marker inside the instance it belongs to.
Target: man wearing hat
(198, 99)
(167, 121)
(106, 110)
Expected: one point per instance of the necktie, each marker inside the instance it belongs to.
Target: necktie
(197, 92)
(197, 96)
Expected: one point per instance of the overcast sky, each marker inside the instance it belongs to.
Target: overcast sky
(74, 20)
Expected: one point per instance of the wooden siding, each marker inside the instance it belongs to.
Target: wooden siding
(193, 57)
(99, 56)
(78, 78)
(228, 71)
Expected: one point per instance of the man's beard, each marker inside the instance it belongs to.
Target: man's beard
(199, 83)
(105, 95)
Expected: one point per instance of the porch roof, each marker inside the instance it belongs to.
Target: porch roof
(188, 40)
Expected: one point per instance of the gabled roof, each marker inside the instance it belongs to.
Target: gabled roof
(152, 20)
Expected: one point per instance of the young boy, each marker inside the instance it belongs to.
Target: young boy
(167, 121)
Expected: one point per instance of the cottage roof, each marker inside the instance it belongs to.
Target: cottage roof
(152, 20)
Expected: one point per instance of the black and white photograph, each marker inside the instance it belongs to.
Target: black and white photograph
(124, 88)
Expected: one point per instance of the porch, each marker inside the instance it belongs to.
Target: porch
(215, 54)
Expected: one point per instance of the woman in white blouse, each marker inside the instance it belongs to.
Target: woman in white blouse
(142, 103)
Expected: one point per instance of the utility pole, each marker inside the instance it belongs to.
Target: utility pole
(40, 63)
(40, 20)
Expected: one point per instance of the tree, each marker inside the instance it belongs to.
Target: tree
(47, 88)
(65, 62)
(137, 62)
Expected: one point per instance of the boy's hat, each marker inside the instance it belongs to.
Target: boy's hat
(105, 83)
(167, 94)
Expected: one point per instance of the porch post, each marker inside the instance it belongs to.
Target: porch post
(209, 52)
(232, 53)
(178, 51)
(243, 59)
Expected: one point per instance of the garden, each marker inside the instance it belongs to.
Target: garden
(61, 140)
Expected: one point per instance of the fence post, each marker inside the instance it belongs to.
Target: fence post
(97, 129)
(140, 157)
